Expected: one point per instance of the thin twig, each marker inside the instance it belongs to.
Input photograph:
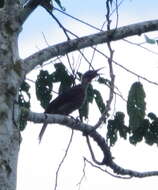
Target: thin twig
(112, 77)
(45, 39)
(117, 14)
(140, 45)
(91, 151)
(128, 70)
(63, 159)
(83, 176)
(137, 75)
(83, 22)
(77, 19)
(94, 48)
(103, 170)
(66, 31)
(58, 22)
(86, 23)
(115, 62)
(108, 159)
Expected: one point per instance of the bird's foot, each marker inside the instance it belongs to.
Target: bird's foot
(77, 119)
(45, 115)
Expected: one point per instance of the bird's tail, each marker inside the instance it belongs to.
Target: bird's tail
(42, 132)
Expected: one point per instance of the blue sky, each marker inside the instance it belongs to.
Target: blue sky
(93, 12)
(37, 164)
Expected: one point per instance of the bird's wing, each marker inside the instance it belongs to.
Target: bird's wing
(64, 104)
(74, 95)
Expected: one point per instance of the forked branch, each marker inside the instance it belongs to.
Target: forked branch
(87, 41)
(88, 130)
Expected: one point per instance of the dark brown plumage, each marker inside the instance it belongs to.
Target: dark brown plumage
(70, 100)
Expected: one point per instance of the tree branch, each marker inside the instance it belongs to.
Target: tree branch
(105, 114)
(102, 37)
(63, 159)
(27, 9)
(88, 130)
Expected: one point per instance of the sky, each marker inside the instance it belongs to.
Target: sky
(38, 163)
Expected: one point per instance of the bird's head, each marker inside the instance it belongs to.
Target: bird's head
(89, 75)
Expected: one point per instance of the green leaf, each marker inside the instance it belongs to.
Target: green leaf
(59, 4)
(25, 87)
(44, 88)
(60, 72)
(149, 40)
(139, 133)
(90, 94)
(24, 95)
(136, 105)
(99, 101)
(122, 128)
(44, 83)
(151, 135)
(23, 101)
(102, 80)
(112, 132)
(116, 126)
(152, 116)
(22, 122)
(61, 75)
(84, 110)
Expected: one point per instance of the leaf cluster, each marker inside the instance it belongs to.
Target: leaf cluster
(24, 101)
(92, 95)
(141, 127)
(148, 131)
(45, 81)
(117, 127)
(136, 105)
(43, 88)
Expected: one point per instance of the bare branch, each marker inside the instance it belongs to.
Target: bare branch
(88, 129)
(91, 151)
(103, 170)
(137, 75)
(105, 114)
(83, 175)
(141, 46)
(63, 159)
(27, 9)
(102, 37)
(128, 70)
(30, 6)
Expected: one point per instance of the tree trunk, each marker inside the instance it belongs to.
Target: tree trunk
(10, 79)
(12, 72)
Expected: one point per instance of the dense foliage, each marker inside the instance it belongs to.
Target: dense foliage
(140, 127)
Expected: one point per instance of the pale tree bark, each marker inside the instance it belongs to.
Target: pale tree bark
(13, 71)
(88, 41)
(88, 131)
(10, 79)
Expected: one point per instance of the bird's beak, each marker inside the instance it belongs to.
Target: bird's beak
(99, 70)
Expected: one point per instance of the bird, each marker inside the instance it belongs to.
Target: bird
(70, 100)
